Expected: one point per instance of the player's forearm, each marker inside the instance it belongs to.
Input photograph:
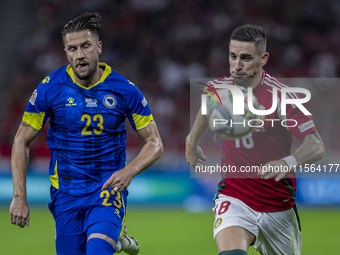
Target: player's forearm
(310, 151)
(19, 166)
(151, 151)
(198, 129)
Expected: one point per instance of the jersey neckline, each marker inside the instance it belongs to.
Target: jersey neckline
(107, 71)
(259, 85)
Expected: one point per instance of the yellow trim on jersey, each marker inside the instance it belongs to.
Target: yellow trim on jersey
(33, 119)
(107, 71)
(141, 121)
(123, 221)
(55, 178)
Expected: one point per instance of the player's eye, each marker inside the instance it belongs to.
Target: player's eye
(233, 57)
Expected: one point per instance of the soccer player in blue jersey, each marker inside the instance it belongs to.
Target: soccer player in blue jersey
(86, 103)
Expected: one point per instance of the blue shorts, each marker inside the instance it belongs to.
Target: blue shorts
(77, 217)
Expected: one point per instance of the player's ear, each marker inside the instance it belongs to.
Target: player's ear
(264, 58)
(99, 47)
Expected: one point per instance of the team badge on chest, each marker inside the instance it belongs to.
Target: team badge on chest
(109, 101)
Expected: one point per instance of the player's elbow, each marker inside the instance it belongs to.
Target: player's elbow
(162, 149)
(316, 146)
(321, 150)
(20, 141)
(159, 146)
(155, 147)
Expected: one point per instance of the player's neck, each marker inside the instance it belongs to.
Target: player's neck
(95, 78)
(257, 79)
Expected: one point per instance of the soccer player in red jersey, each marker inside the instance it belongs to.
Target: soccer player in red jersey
(250, 210)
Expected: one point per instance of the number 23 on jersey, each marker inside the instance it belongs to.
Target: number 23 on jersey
(116, 201)
(98, 119)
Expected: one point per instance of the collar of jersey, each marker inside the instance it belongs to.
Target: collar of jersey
(106, 72)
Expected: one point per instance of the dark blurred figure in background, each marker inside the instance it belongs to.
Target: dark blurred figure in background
(162, 44)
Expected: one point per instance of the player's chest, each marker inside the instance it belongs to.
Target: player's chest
(90, 111)
(271, 119)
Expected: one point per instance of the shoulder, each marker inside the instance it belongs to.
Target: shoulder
(55, 78)
(213, 84)
(271, 82)
(221, 80)
(119, 83)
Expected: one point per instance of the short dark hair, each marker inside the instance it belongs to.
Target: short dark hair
(88, 20)
(251, 33)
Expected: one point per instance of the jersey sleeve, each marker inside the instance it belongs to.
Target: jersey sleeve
(303, 124)
(138, 110)
(37, 109)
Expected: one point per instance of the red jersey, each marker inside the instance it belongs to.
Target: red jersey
(268, 143)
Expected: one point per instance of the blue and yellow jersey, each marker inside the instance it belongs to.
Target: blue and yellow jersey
(87, 126)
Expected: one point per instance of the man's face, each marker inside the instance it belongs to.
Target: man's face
(82, 49)
(245, 62)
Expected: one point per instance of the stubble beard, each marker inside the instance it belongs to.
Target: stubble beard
(89, 75)
(245, 82)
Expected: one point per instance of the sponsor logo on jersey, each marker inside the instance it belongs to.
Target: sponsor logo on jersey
(70, 101)
(90, 102)
(305, 126)
(110, 101)
(144, 102)
(33, 97)
(46, 80)
(218, 222)
(117, 212)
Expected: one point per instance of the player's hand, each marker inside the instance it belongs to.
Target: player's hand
(120, 179)
(19, 212)
(274, 169)
(194, 154)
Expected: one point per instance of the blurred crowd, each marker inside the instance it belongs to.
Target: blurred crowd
(160, 44)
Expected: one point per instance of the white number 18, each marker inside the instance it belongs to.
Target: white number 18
(247, 141)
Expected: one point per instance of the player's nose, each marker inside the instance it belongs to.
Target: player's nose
(238, 65)
(80, 54)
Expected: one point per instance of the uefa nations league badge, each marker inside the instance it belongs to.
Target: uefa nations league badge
(109, 101)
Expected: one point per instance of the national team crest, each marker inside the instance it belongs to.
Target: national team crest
(218, 222)
(109, 101)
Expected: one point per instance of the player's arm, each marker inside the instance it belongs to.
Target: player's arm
(19, 210)
(151, 151)
(193, 152)
(311, 150)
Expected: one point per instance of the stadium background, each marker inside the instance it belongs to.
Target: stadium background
(159, 45)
